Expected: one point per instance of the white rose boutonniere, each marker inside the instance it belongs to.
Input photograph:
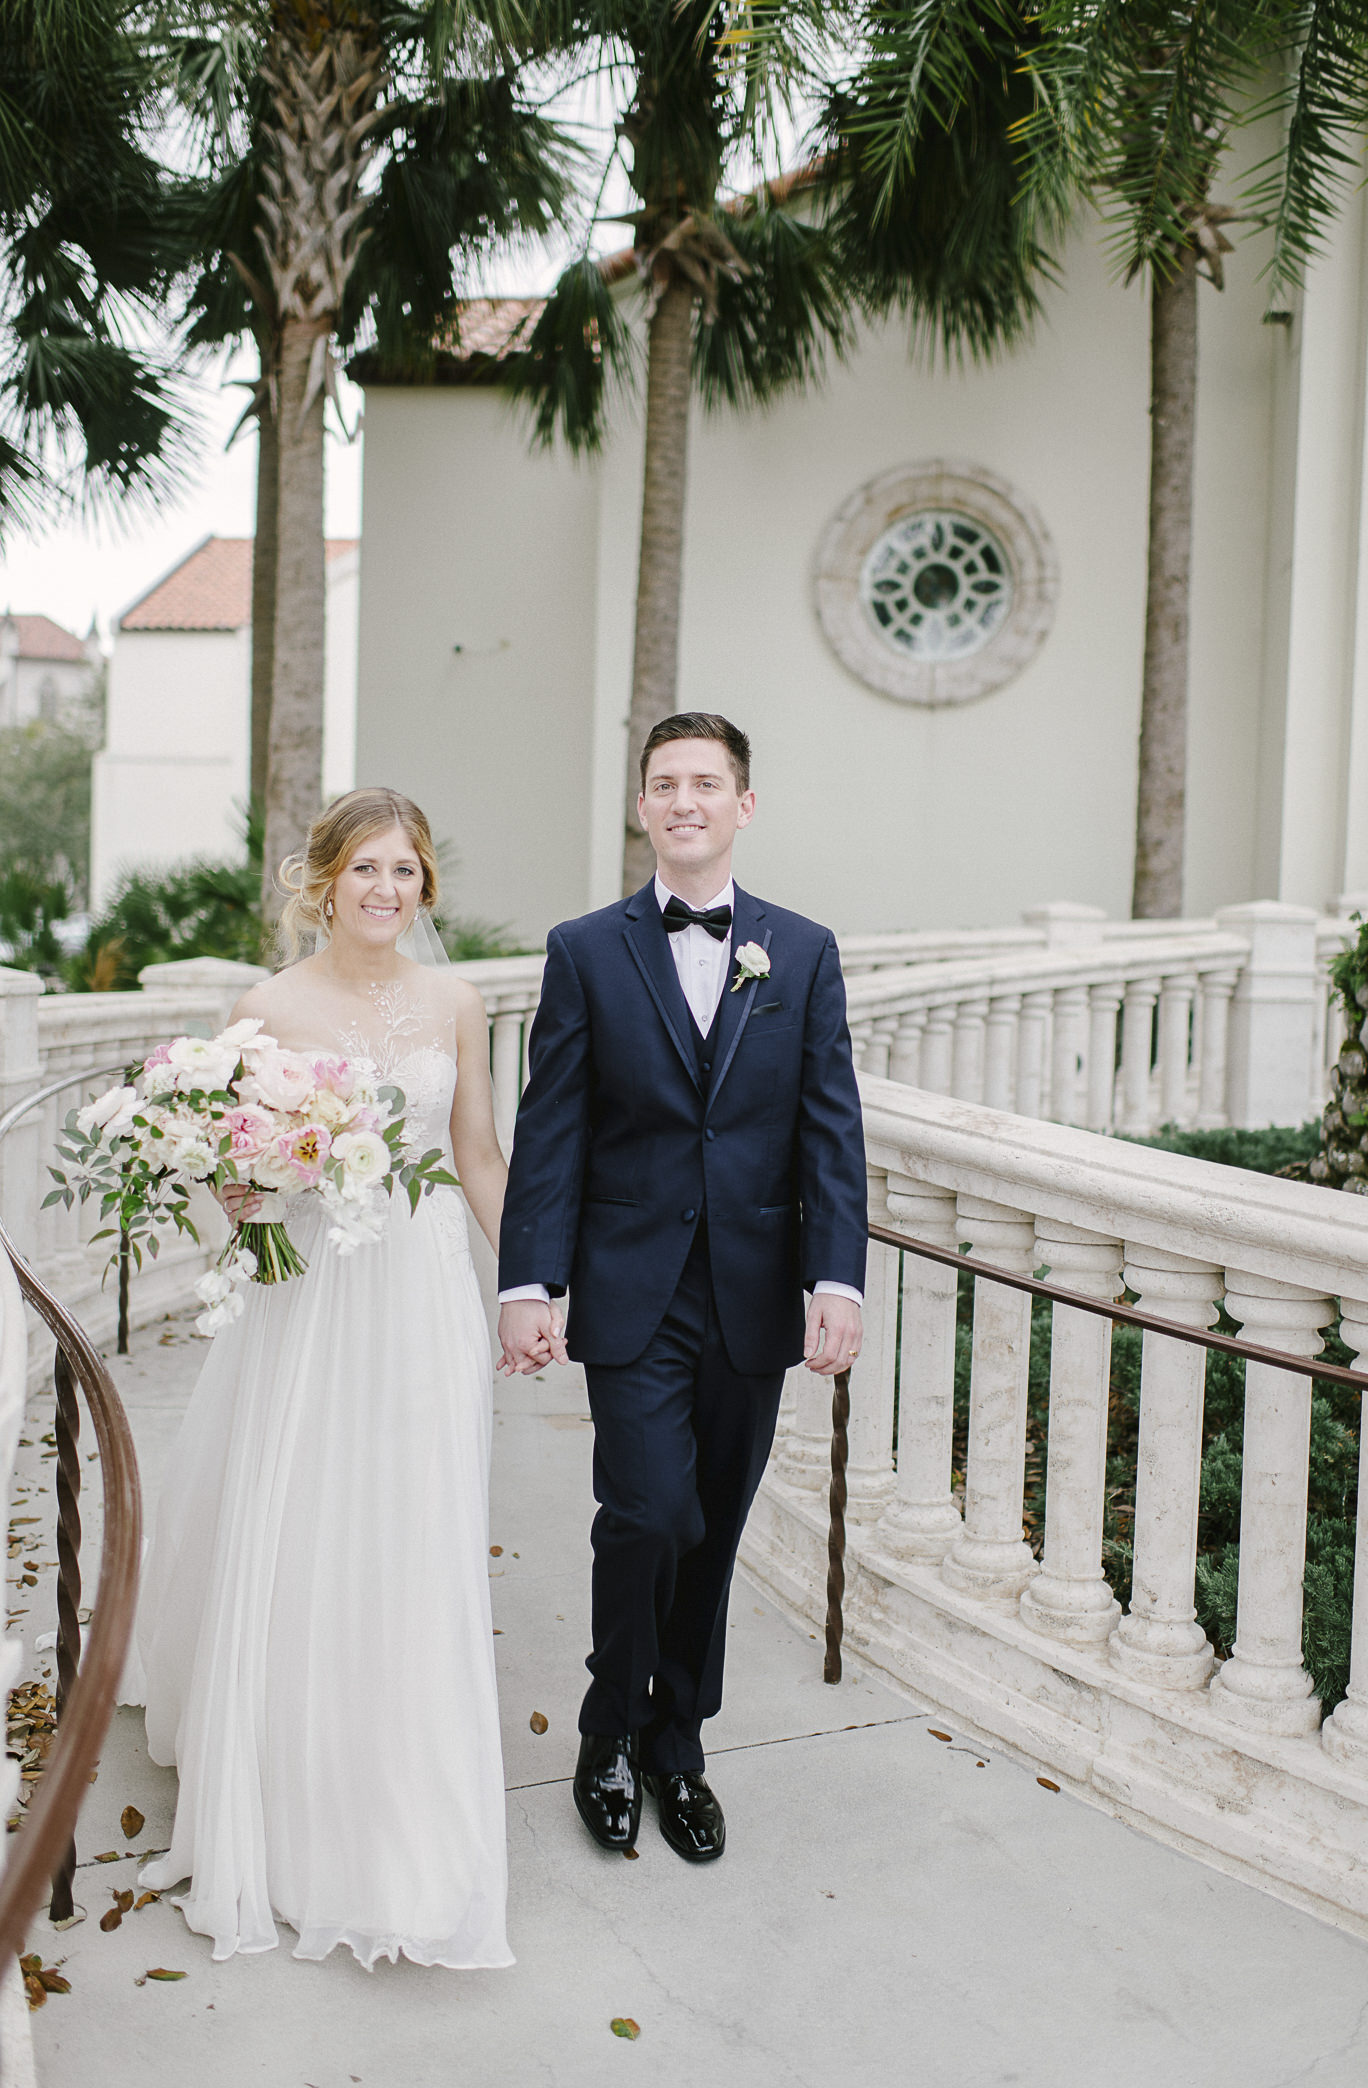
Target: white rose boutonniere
(751, 963)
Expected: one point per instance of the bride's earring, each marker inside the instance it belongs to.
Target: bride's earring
(327, 908)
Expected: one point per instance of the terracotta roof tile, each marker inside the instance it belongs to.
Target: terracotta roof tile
(42, 639)
(210, 590)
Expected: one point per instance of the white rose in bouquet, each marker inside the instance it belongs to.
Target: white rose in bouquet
(280, 1079)
(202, 1062)
(111, 1113)
(365, 1161)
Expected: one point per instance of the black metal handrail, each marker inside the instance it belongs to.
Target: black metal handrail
(86, 1684)
(1036, 1287)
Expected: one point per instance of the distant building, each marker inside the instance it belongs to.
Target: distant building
(172, 779)
(45, 671)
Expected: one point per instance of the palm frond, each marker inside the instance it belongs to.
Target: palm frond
(578, 349)
(1322, 101)
(776, 319)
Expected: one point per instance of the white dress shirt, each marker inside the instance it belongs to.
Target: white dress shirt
(702, 963)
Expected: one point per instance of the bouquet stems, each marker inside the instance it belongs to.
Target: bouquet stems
(277, 1258)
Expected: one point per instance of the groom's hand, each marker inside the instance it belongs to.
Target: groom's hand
(530, 1336)
(832, 1340)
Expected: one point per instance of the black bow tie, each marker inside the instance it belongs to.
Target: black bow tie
(716, 919)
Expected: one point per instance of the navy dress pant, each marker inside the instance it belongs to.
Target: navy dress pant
(680, 1444)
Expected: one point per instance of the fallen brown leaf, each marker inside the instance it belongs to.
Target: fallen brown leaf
(144, 1899)
(111, 1919)
(131, 1821)
(124, 1902)
(160, 1972)
(37, 1992)
(108, 1856)
(496, 1551)
(54, 1982)
(1045, 1784)
(937, 1736)
(538, 1722)
(623, 2026)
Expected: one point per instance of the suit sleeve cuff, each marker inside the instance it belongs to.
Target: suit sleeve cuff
(537, 1291)
(838, 1290)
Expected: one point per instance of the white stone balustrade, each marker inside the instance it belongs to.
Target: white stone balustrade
(1031, 1652)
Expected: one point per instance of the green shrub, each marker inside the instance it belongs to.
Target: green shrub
(45, 803)
(198, 908)
(1262, 1152)
(30, 905)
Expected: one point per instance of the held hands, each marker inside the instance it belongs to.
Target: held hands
(530, 1335)
(832, 1340)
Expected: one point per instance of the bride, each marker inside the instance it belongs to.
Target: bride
(315, 1627)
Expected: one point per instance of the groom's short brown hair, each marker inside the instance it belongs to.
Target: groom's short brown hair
(701, 725)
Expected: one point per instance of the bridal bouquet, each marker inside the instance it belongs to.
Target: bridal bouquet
(237, 1108)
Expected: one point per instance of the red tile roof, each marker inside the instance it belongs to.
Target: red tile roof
(210, 590)
(42, 639)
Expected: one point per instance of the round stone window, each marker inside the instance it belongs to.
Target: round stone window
(935, 583)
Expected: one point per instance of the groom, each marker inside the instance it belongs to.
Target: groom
(688, 1160)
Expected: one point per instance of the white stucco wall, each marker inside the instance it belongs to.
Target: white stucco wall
(172, 778)
(173, 772)
(472, 543)
(874, 813)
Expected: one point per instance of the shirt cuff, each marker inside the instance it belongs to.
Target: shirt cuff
(838, 1290)
(537, 1291)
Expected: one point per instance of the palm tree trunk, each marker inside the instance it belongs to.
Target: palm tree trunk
(1160, 801)
(264, 554)
(294, 786)
(655, 663)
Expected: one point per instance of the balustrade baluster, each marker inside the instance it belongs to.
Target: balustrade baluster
(966, 1080)
(1070, 1598)
(904, 1060)
(999, 1050)
(1030, 1080)
(1175, 1022)
(1104, 1004)
(506, 1066)
(925, 1517)
(1137, 1038)
(1067, 1052)
(879, 1046)
(869, 1472)
(1216, 990)
(1264, 1684)
(1345, 1732)
(1159, 1639)
(936, 1048)
(803, 1455)
(990, 1557)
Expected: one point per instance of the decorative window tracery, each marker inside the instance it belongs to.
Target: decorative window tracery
(936, 583)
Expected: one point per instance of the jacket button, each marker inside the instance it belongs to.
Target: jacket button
(688, 1216)
(710, 1133)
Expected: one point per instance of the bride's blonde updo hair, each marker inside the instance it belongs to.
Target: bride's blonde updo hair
(333, 840)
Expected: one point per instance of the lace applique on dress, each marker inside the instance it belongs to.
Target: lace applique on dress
(422, 1065)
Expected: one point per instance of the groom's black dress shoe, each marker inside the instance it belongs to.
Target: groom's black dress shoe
(690, 1817)
(608, 1788)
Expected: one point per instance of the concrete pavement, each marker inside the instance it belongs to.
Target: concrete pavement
(892, 1908)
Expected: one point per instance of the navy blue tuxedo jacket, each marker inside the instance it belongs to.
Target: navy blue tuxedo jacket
(622, 1144)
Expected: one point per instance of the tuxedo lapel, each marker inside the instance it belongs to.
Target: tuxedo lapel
(747, 926)
(644, 934)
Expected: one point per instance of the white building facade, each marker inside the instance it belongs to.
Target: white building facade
(172, 779)
(912, 769)
(47, 673)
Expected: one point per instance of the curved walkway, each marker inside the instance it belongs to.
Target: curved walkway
(893, 1908)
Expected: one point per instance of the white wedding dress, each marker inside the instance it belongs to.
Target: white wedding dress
(314, 1627)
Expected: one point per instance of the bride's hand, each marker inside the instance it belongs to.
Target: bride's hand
(240, 1201)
